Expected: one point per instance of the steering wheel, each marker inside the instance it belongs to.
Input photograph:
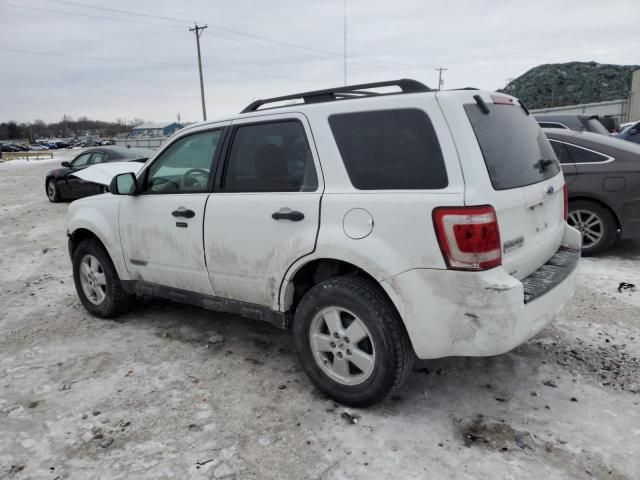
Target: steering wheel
(188, 180)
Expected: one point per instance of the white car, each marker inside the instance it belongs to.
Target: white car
(379, 228)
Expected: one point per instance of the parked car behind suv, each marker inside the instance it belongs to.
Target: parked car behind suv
(64, 184)
(379, 228)
(603, 176)
(580, 123)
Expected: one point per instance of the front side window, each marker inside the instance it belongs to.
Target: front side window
(82, 160)
(185, 165)
(270, 157)
(390, 150)
(98, 157)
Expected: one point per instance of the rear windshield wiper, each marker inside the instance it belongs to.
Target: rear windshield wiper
(482, 104)
(544, 163)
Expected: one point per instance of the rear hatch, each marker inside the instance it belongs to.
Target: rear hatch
(509, 164)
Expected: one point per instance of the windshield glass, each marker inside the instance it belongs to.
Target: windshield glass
(515, 150)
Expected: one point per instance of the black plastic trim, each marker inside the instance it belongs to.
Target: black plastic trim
(407, 85)
(552, 273)
(210, 302)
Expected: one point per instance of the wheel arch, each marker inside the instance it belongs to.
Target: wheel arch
(81, 228)
(316, 270)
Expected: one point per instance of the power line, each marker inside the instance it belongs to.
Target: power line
(147, 62)
(237, 32)
(88, 15)
(198, 31)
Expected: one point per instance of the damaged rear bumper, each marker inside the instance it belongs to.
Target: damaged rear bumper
(451, 313)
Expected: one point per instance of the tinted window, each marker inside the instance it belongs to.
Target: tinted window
(185, 165)
(390, 150)
(580, 155)
(270, 157)
(561, 151)
(515, 150)
(82, 160)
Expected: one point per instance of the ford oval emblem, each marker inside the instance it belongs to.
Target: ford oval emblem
(550, 190)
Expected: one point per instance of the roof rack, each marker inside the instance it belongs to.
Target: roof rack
(407, 85)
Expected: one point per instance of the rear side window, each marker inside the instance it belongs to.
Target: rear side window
(582, 155)
(516, 151)
(271, 157)
(390, 150)
(561, 151)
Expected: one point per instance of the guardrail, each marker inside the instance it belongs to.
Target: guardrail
(28, 155)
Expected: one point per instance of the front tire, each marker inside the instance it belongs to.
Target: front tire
(351, 341)
(596, 223)
(97, 281)
(53, 194)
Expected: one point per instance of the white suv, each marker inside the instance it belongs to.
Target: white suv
(379, 227)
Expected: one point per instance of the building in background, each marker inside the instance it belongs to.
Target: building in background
(156, 129)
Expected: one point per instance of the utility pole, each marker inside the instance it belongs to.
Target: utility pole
(198, 31)
(344, 16)
(440, 81)
(509, 87)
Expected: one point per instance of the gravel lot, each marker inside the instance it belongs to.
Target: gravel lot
(171, 391)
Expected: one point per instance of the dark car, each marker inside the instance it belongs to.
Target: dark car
(631, 134)
(61, 184)
(580, 123)
(603, 179)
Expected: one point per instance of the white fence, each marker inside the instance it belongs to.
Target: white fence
(150, 142)
(612, 108)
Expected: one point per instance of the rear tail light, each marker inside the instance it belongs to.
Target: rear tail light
(469, 237)
(565, 193)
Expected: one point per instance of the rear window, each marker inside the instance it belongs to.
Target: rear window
(515, 150)
(390, 149)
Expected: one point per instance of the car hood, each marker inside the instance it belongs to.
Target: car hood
(103, 173)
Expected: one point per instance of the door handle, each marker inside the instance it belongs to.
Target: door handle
(286, 214)
(183, 212)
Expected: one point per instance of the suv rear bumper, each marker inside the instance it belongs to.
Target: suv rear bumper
(451, 313)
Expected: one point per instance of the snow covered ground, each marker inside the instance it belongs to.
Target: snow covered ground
(171, 391)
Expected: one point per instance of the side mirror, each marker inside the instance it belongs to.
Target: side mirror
(123, 184)
(66, 164)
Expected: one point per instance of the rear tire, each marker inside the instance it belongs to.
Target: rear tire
(597, 224)
(53, 194)
(351, 341)
(97, 281)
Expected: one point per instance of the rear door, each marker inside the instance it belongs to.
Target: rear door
(264, 215)
(508, 163)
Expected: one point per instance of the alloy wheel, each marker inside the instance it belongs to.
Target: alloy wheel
(92, 279)
(589, 225)
(342, 346)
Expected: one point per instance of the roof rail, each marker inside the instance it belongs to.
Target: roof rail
(407, 85)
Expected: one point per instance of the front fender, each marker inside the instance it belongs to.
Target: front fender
(99, 215)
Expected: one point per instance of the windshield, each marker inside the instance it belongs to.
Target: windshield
(516, 151)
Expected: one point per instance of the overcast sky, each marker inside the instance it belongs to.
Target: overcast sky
(107, 65)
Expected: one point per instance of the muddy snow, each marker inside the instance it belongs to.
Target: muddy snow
(171, 391)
